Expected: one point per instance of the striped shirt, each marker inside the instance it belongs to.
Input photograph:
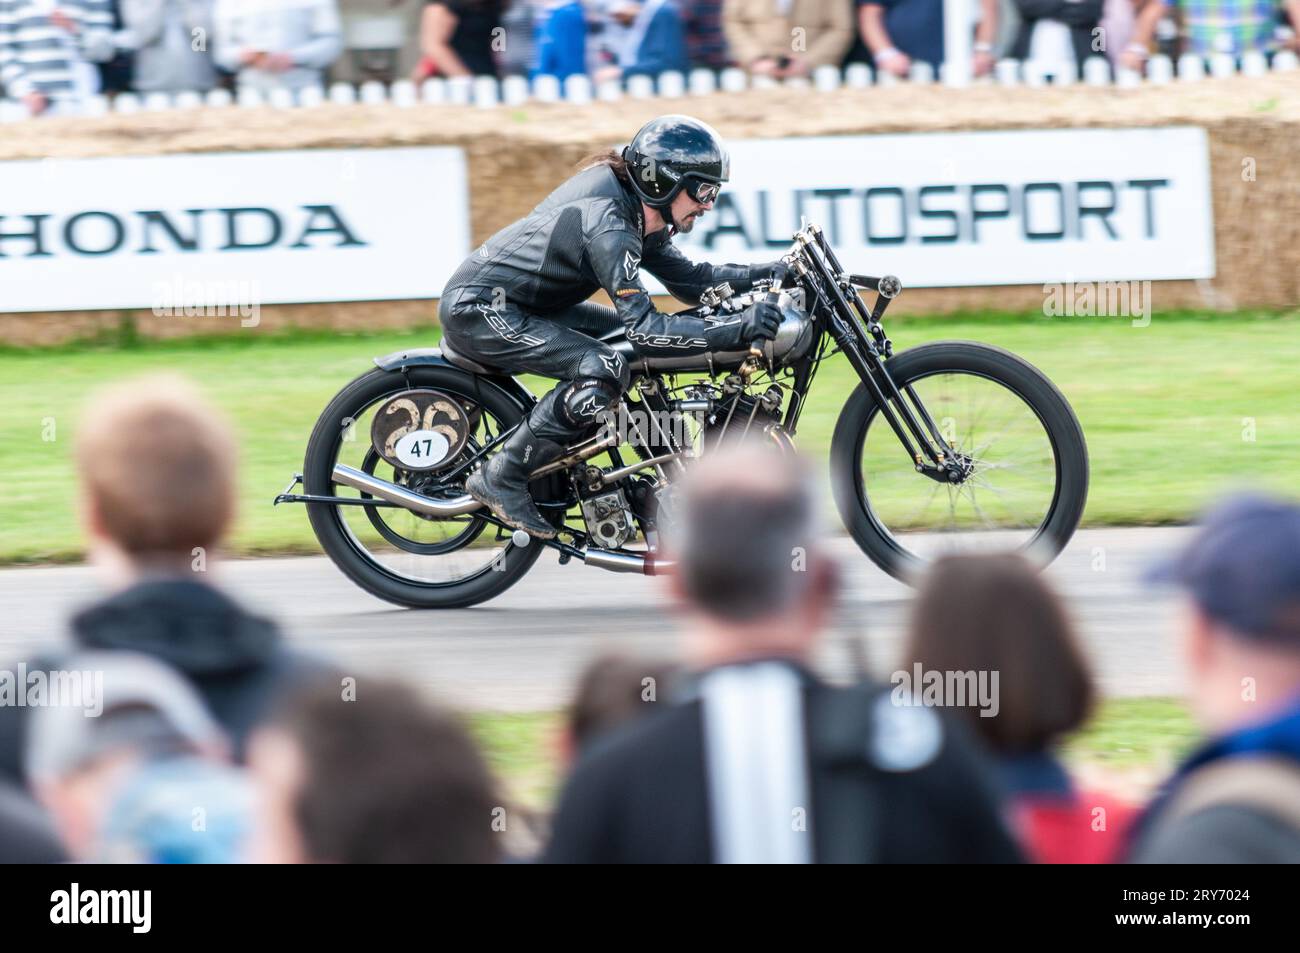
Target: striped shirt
(37, 56)
(1228, 26)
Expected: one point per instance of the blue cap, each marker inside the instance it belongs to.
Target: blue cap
(1242, 567)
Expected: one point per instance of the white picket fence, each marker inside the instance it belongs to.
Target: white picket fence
(489, 92)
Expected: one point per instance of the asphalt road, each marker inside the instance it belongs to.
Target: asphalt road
(523, 651)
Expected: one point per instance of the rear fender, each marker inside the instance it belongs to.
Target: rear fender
(426, 356)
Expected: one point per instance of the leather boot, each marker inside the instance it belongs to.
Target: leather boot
(502, 483)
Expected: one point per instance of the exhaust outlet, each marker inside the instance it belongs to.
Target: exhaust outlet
(366, 483)
(646, 565)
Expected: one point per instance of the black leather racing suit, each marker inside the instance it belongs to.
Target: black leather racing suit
(519, 302)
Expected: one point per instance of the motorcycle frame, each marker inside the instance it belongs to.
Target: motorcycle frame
(840, 313)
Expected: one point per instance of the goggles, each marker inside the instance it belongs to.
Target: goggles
(702, 191)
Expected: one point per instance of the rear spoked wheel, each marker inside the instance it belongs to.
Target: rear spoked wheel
(393, 553)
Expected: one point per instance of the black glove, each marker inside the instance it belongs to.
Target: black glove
(760, 320)
(776, 271)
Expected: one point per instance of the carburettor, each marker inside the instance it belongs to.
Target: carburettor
(606, 512)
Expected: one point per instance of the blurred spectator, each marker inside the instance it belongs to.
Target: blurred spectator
(380, 40)
(26, 834)
(157, 470)
(790, 38)
(1117, 20)
(706, 43)
(381, 778)
(993, 613)
(47, 51)
(163, 35)
(762, 761)
(857, 52)
(614, 690)
(459, 37)
(143, 780)
(562, 39)
(1237, 799)
(605, 34)
(276, 44)
(1233, 27)
(1056, 34)
(654, 41)
(519, 51)
(115, 72)
(900, 32)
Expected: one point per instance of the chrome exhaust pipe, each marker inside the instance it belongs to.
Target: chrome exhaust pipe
(646, 565)
(345, 475)
(576, 454)
(400, 495)
(613, 476)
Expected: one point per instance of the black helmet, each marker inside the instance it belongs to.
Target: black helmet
(672, 152)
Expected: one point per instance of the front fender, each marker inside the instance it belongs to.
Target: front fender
(425, 356)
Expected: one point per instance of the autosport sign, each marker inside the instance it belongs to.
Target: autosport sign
(976, 208)
(270, 227)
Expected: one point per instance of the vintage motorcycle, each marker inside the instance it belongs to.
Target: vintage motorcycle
(949, 446)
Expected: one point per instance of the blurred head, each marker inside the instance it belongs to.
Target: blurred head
(994, 613)
(82, 753)
(612, 691)
(750, 569)
(157, 472)
(384, 778)
(1240, 573)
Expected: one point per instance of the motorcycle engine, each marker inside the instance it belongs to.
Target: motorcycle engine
(737, 412)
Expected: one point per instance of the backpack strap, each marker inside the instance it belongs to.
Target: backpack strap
(1268, 784)
(840, 725)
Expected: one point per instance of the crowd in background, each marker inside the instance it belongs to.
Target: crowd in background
(54, 53)
(214, 740)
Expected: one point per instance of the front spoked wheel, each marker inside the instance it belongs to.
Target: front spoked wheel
(1019, 481)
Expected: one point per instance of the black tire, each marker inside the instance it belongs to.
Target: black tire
(981, 360)
(327, 521)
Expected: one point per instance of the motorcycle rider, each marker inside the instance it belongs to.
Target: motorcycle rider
(518, 303)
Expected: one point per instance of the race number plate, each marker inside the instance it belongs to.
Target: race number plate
(420, 430)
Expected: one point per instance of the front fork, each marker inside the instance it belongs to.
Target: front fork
(868, 352)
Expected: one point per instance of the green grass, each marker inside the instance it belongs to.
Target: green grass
(1166, 410)
(524, 752)
(1134, 732)
(1126, 737)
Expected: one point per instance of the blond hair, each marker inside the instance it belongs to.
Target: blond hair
(157, 465)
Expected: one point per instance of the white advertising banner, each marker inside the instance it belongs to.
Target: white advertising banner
(976, 208)
(231, 228)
